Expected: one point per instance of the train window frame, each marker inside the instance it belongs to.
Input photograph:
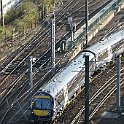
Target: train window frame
(41, 108)
(59, 97)
(92, 64)
(102, 55)
(81, 76)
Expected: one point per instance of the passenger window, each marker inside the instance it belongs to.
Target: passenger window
(103, 55)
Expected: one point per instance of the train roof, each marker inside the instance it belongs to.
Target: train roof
(107, 42)
(64, 76)
(61, 79)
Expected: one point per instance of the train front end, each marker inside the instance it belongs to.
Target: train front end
(42, 108)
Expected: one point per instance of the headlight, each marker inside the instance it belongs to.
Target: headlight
(49, 113)
(32, 121)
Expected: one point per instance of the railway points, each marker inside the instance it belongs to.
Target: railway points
(109, 105)
(17, 62)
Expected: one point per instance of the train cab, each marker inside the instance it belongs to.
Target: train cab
(42, 108)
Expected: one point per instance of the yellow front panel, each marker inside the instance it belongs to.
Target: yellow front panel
(41, 112)
(37, 97)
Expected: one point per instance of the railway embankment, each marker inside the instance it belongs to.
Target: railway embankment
(94, 41)
(114, 25)
(97, 29)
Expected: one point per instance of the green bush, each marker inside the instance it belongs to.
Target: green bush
(25, 16)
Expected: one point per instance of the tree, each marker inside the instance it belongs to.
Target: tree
(44, 6)
(12, 15)
(30, 13)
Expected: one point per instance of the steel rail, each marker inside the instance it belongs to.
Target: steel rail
(24, 58)
(15, 83)
(105, 99)
(99, 91)
(15, 69)
(25, 95)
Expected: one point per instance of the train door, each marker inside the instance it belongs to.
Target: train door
(65, 95)
(110, 53)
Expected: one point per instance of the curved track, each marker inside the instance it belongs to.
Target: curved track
(100, 92)
(21, 85)
(19, 65)
(100, 97)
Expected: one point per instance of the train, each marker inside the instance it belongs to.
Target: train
(79, 36)
(9, 4)
(54, 96)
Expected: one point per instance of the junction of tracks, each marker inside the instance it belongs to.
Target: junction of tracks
(10, 76)
(71, 114)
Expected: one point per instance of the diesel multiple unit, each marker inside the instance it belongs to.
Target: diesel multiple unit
(54, 96)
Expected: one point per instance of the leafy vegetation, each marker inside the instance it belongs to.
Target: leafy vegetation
(26, 16)
(19, 21)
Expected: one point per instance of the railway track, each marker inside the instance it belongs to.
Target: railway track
(111, 27)
(38, 37)
(100, 97)
(21, 87)
(66, 117)
(8, 67)
(101, 89)
(19, 62)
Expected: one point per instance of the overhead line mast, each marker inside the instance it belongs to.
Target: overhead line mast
(86, 20)
(53, 42)
(1, 14)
